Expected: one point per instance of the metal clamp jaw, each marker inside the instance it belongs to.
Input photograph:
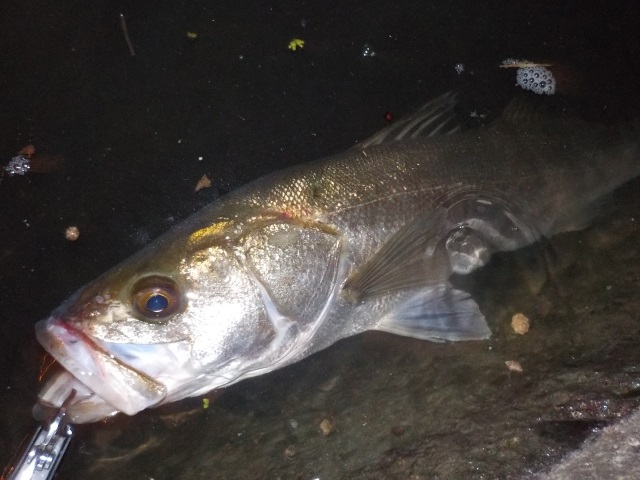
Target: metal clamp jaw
(46, 448)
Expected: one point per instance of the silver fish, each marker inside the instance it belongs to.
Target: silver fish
(293, 262)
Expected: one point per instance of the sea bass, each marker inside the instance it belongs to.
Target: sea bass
(289, 264)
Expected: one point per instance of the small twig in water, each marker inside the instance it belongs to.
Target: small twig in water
(125, 32)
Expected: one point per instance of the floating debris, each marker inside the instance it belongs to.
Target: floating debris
(296, 43)
(204, 182)
(513, 63)
(459, 68)
(44, 163)
(192, 35)
(125, 33)
(28, 151)
(520, 324)
(72, 233)
(513, 366)
(26, 160)
(205, 403)
(475, 114)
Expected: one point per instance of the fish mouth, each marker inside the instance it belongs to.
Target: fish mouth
(104, 383)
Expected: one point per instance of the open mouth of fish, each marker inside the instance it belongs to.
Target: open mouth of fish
(106, 381)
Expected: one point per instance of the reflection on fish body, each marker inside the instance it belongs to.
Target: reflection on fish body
(295, 261)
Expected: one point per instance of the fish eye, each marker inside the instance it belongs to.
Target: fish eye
(157, 303)
(155, 298)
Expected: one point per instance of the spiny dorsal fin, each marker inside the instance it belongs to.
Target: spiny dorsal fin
(437, 117)
(524, 111)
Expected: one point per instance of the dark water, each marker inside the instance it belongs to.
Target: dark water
(132, 131)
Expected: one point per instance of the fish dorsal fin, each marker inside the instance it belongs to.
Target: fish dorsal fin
(524, 112)
(437, 117)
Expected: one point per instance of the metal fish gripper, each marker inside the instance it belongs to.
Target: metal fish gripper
(42, 456)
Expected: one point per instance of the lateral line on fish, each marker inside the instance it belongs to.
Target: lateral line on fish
(386, 197)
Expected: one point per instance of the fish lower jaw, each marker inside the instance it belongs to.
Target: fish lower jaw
(104, 384)
(86, 406)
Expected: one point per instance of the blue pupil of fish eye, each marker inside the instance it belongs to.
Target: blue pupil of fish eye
(156, 303)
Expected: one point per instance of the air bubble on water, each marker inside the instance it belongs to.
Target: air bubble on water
(18, 165)
(526, 79)
(368, 51)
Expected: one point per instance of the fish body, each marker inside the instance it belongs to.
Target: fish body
(289, 264)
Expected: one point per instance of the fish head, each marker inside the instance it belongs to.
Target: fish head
(159, 327)
(189, 313)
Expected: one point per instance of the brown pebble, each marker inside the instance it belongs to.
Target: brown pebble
(326, 427)
(72, 233)
(513, 366)
(289, 452)
(520, 324)
(398, 430)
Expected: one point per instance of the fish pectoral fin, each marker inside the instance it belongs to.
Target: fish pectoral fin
(438, 313)
(414, 256)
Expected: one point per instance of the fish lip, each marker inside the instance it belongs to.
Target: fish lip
(91, 363)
